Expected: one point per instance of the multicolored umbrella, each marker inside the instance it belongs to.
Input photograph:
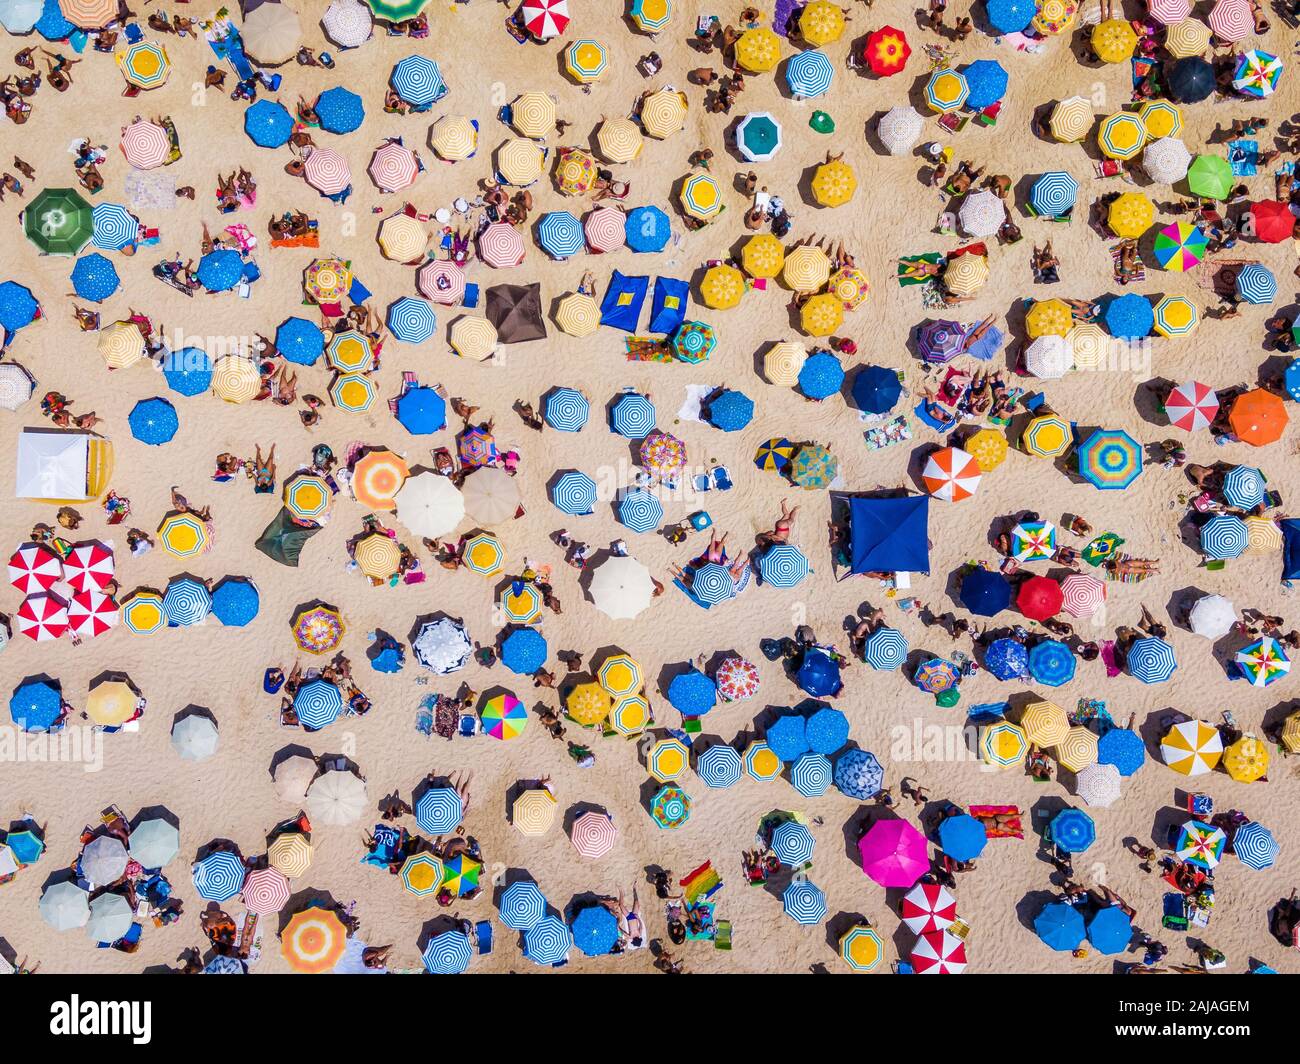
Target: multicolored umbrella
(1110, 459)
(1192, 747)
(670, 807)
(1200, 844)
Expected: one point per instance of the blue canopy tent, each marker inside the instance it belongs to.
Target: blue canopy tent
(1291, 548)
(621, 307)
(890, 535)
(668, 306)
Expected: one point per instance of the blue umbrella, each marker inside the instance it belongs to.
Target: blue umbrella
(1123, 749)
(1256, 284)
(788, 737)
(988, 83)
(220, 270)
(35, 705)
(188, 371)
(633, 416)
(447, 953)
(235, 601)
(1293, 374)
(719, 766)
(712, 583)
(821, 375)
(412, 320)
(566, 409)
(318, 704)
(809, 74)
(438, 810)
(1224, 536)
(1190, 79)
(1110, 930)
(1073, 830)
(339, 110)
(1243, 487)
(560, 234)
(1053, 194)
(793, 844)
(811, 775)
(985, 592)
(1255, 846)
(692, 693)
(421, 410)
(962, 837)
(1007, 659)
(18, 307)
(268, 124)
(819, 675)
(1060, 926)
(595, 930)
(219, 876)
(418, 81)
(1051, 663)
(574, 494)
(522, 905)
(1011, 16)
(113, 227)
(876, 389)
(858, 774)
(885, 648)
(647, 229)
(52, 25)
(94, 277)
(731, 411)
(547, 941)
(639, 510)
(827, 730)
(524, 651)
(783, 565)
(1129, 317)
(300, 341)
(804, 902)
(187, 602)
(153, 421)
(1151, 660)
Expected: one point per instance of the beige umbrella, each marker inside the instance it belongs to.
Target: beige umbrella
(293, 776)
(1078, 749)
(621, 587)
(519, 161)
(533, 114)
(663, 113)
(453, 137)
(121, 345)
(806, 268)
(781, 365)
(272, 34)
(235, 379)
(534, 812)
(1090, 344)
(377, 556)
(619, 140)
(473, 338)
(578, 314)
(966, 274)
(430, 505)
(290, 854)
(402, 238)
(1187, 38)
(337, 797)
(491, 496)
(1071, 119)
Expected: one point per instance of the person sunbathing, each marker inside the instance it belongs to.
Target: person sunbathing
(780, 532)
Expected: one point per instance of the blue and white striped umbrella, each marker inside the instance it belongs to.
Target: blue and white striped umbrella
(186, 602)
(1256, 284)
(792, 844)
(412, 320)
(811, 775)
(566, 409)
(113, 227)
(439, 810)
(1054, 193)
(547, 941)
(1224, 536)
(188, 371)
(219, 876)
(94, 277)
(268, 124)
(560, 234)
(1255, 846)
(418, 81)
(858, 774)
(448, 953)
(317, 704)
(574, 493)
(339, 110)
(804, 902)
(885, 648)
(522, 905)
(809, 74)
(633, 416)
(639, 510)
(1243, 487)
(719, 766)
(783, 565)
(300, 341)
(1051, 663)
(1151, 660)
(712, 583)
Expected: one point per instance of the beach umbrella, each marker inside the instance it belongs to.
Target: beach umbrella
(317, 704)
(809, 74)
(758, 50)
(501, 246)
(719, 766)
(1114, 40)
(393, 167)
(1192, 406)
(1166, 160)
(621, 587)
(565, 409)
(1246, 760)
(522, 905)
(1256, 284)
(524, 651)
(821, 22)
(941, 952)
(1033, 540)
(1039, 598)
(412, 321)
(1053, 194)
(1262, 535)
(619, 141)
(58, 221)
(1255, 846)
(1200, 844)
(775, 455)
(574, 493)
(1190, 79)
(1176, 316)
(144, 64)
(483, 554)
(862, 948)
(560, 234)
(1110, 459)
(93, 278)
(578, 314)
(522, 603)
(1274, 222)
(422, 874)
(663, 455)
(806, 268)
(670, 808)
(219, 876)
(1051, 663)
(447, 953)
(588, 704)
(692, 693)
(928, 907)
(1060, 926)
(946, 91)
(16, 385)
(1258, 417)
(876, 389)
(307, 497)
(442, 646)
(761, 763)
(377, 556)
(982, 213)
(235, 379)
(1170, 12)
(1212, 616)
(271, 34)
(18, 307)
(833, 184)
(858, 774)
(804, 902)
(1211, 177)
(819, 674)
(784, 362)
(821, 375)
(1161, 118)
(454, 137)
(548, 941)
(1191, 747)
(318, 629)
(1121, 136)
(821, 315)
(20, 16)
(962, 837)
(585, 61)
(639, 510)
(142, 612)
(188, 371)
(376, 478)
(650, 16)
(668, 759)
(235, 601)
(533, 114)
(783, 565)
(103, 860)
(1049, 357)
(985, 592)
(438, 810)
(545, 19)
(1045, 723)
(951, 474)
(1073, 830)
(1098, 784)
(886, 51)
(34, 568)
(940, 341)
(1047, 436)
(442, 282)
(1071, 118)
(348, 23)
(737, 679)
(1243, 487)
(113, 701)
(340, 110)
(1185, 38)
(936, 676)
(220, 270)
(646, 229)
(327, 171)
(1224, 536)
(721, 287)
(730, 411)
(787, 737)
(87, 567)
(987, 81)
(154, 842)
(1054, 16)
(64, 905)
(663, 113)
(894, 854)
(1131, 215)
(519, 162)
(1123, 749)
(111, 917)
(418, 80)
(899, 129)
(1003, 745)
(184, 535)
(1262, 661)
(1231, 20)
(314, 940)
(1082, 595)
(701, 197)
(300, 341)
(813, 467)
(186, 601)
(266, 891)
(1090, 346)
(758, 137)
(293, 777)
(1151, 660)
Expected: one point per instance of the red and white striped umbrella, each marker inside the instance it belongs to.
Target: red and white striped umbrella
(951, 474)
(89, 567)
(327, 171)
(593, 834)
(33, 567)
(501, 246)
(1231, 20)
(605, 229)
(91, 613)
(266, 891)
(1192, 406)
(1169, 12)
(145, 144)
(1082, 595)
(938, 953)
(441, 281)
(42, 617)
(928, 907)
(394, 167)
(545, 19)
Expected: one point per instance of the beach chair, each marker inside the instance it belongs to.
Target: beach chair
(723, 938)
(933, 422)
(483, 932)
(469, 726)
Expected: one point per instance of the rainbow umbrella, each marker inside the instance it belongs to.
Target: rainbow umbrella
(1257, 73)
(504, 716)
(1200, 844)
(1180, 246)
(461, 874)
(670, 807)
(1110, 459)
(1262, 662)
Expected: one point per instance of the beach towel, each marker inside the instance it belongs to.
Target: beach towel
(621, 306)
(646, 349)
(1011, 827)
(1243, 157)
(1108, 657)
(931, 257)
(1101, 548)
(932, 420)
(891, 432)
(702, 883)
(1139, 269)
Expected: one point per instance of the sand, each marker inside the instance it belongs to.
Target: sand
(232, 797)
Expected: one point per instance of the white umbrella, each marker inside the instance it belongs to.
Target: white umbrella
(442, 646)
(899, 128)
(65, 906)
(272, 33)
(348, 23)
(982, 214)
(430, 505)
(154, 842)
(491, 496)
(621, 587)
(1166, 160)
(1049, 357)
(195, 737)
(16, 385)
(1098, 784)
(1212, 616)
(337, 798)
(293, 776)
(111, 917)
(103, 861)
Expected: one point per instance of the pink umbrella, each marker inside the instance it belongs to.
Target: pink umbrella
(394, 167)
(605, 229)
(501, 246)
(442, 281)
(1192, 406)
(33, 568)
(145, 144)
(894, 853)
(737, 679)
(1168, 12)
(1231, 20)
(266, 891)
(1083, 595)
(91, 613)
(939, 953)
(42, 617)
(327, 171)
(928, 907)
(89, 567)
(593, 834)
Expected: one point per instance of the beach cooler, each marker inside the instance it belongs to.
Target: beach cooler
(483, 931)
(1200, 805)
(700, 520)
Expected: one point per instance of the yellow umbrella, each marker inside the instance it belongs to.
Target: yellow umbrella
(1048, 317)
(1055, 16)
(1045, 723)
(630, 715)
(586, 60)
(350, 351)
(314, 941)
(1114, 40)
(353, 393)
(1188, 38)
(850, 286)
(1291, 733)
(290, 854)
(121, 345)
(834, 183)
(758, 50)
(473, 338)
(519, 161)
(112, 702)
(377, 476)
(402, 238)
(1246, 760)
(1090, 344)
(588, 703)
(1262, 535)
(762, 256)
(144, 65)
(782, 364)
(988, 447)
(1046, 436)
(1071, 119)
(806, 268)
(1122, 135)
(650, 16)
(966, 274)
(620, 675)
(1131, 215)
(183, 535)
(235, 379)
(575, 171)
(701, 197)
(1161, 118)
(722, 287)
(306, 496)
(821, 22)
(663, 113)
(821, 315)
(484, 554)
(143, 613)
(578, 314)
(533, 114)
(534, 812)
(422, 873)
(862, 948)
(668, 759)
(377, 555)
(1003, 745)
(454, 137)
(1175, 316)
(619, 140)
(1078, 749)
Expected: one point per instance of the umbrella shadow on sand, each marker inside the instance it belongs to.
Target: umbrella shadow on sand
(439, 925)
(1166, 820)
(578, 809)
(287, 752)
(306, 898)
(155, 812)
(1153, 728)
(1033, 903)
(217, 845)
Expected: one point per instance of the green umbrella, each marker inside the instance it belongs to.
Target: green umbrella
(396, 10)
(58, 221)
(1210, 176)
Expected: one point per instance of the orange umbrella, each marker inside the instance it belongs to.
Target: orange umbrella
(313, 941)
(376, 477)
(1258, 417)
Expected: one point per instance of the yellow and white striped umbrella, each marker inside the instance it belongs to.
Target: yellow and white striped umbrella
(578, 314)
(290, 854)
(1091, 345)
(1071, 119)
(184, 535)
(120, 345)
(1045, 723)
(619, 140)
(1192, 747)
(533, 812)
(781, 365)
(663, 113)
(520, 161)
(473, 338)
(402, 238)
(1078, 749)
(966, 274)
(235, 379)
(454, 137)
(1188, 38)
(377, 555)
(1262, 535)
(806, 268)
(533, 114)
